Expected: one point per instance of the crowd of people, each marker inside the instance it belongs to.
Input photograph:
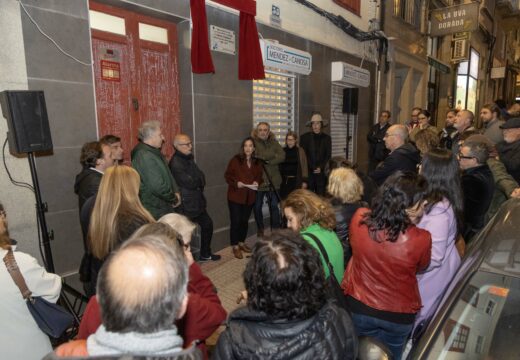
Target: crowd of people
(391, 240)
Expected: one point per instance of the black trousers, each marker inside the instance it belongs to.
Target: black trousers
(317, 183)
(239, 216)
(206, 232)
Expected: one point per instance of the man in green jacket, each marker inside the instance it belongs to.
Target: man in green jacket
(158, 192)
(270, 154)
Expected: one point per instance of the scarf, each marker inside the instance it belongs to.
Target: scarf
(104, 342)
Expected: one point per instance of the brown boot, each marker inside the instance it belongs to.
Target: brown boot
(237, 252)
(260, 233)
(242, 246)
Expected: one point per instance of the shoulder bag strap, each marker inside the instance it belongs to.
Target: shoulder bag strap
(14, 271)
(322, 249)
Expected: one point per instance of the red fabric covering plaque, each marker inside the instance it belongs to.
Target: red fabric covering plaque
(250, 64)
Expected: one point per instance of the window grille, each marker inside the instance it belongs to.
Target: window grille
(274, 102)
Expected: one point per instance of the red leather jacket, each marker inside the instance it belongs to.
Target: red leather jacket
(381, 275)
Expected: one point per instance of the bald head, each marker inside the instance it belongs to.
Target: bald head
(463, 120)
(143, 286)
(182, 143)
(396, 136)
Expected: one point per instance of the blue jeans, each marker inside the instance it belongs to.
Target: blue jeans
(391, 334)
(273, 209)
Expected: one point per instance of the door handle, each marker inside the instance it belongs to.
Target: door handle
(135, 104)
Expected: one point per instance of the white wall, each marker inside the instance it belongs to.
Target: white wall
(19, 202)
(304, 22)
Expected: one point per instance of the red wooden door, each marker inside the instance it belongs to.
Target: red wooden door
(136, 80)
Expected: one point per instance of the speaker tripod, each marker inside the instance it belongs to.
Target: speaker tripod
(73, 306)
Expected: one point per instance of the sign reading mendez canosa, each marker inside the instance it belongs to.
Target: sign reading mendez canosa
(454, 19)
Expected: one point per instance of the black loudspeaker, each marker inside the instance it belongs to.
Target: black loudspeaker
(350, 100)
(27, 121)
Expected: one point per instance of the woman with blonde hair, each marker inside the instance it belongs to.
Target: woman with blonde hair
(346, 190)
(314, 219)
(117, 213)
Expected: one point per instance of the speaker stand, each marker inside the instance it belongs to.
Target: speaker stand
(74, 307)
(41, 208)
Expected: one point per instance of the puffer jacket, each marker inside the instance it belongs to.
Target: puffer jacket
(158, 187)
(191, 181)
(252, 335)
(381, 274)
(272, 153)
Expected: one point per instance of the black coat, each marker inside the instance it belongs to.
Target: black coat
(377, 150)
(191, 182)
(318, 148)
(404, 158)
(509, 154)
(87, 185)
(477, 187)
(252, 335)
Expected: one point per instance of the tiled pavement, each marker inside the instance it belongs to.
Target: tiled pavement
(226, 275)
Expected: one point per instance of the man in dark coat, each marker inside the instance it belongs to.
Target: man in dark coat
(377, 150)
(509, 149)
(95, 159)
(191, 181)
(158, 192)
(478, 186)
(318, 148)
(403, 155)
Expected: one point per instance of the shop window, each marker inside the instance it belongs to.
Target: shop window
(458, 334)
(467, 75)
(490, 308)
(407, 10)
(274, 102)
(480, 344)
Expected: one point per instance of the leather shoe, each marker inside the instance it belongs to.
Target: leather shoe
(237, 252)
(242, 246)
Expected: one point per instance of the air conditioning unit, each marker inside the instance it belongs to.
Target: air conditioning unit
(459, 50)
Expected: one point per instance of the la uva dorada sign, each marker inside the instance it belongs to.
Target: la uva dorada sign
(459, 18)
(286, 58)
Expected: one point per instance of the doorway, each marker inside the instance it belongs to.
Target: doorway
(136, 74)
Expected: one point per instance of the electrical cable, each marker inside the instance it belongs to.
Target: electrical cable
(51, 40)
(14, 182)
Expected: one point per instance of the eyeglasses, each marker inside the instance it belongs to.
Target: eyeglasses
(388, 135)
(462, 156)
(186, 144)
(3, 213)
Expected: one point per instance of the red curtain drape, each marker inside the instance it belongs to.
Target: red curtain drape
(201, 61)
(250, 64)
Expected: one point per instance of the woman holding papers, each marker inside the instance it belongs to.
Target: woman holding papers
(243, 175)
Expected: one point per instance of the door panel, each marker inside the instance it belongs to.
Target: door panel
(147, 87)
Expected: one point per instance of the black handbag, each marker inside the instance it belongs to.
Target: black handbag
(51, 318)
(334, 289)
